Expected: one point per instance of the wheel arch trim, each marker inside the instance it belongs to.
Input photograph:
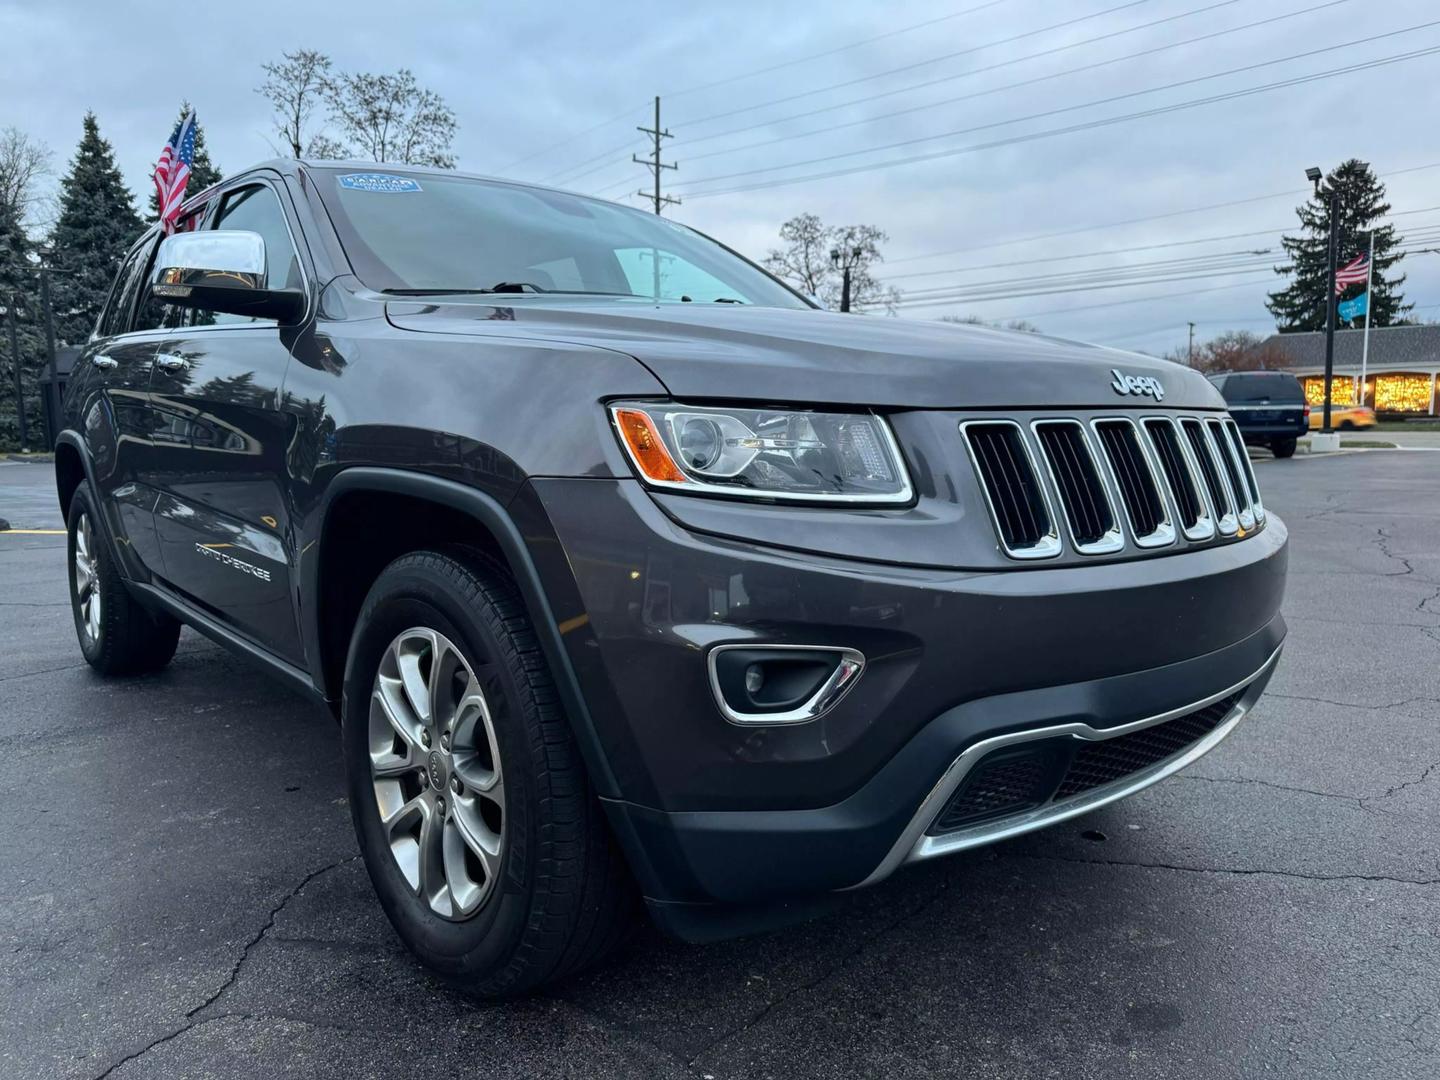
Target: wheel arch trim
(491, 515)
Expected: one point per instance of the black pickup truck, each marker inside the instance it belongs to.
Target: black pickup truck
(629, 574)
(1269, 408)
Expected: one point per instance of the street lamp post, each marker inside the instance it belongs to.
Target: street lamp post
(52, 391)
(12, 316)
(844, 261)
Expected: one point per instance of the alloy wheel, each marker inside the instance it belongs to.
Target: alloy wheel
(435, 770)
(87, 579)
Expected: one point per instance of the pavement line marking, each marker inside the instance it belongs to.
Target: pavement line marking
(33, 532)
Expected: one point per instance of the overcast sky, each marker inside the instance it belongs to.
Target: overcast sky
(522, 77)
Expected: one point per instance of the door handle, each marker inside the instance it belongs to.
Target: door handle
(171, 362)
(104, 363)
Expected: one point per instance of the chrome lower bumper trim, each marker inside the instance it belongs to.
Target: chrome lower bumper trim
(914, 845)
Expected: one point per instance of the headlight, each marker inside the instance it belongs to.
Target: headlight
(764, 453)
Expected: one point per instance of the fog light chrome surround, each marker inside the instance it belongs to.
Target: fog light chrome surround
(850, 665)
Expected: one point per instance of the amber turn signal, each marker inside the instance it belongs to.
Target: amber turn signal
(646, 446)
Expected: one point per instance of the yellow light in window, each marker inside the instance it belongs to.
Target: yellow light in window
(1342, 390)
(1402, 393)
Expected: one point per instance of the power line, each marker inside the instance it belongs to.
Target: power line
(1059, 110)
(608, 157)
(1052, 132)
(1149, 218)
(1003, 290)
(921, 63)
(972, 72)
(570, 138)
(1123, 251)
(1040, 115)
(831, 52)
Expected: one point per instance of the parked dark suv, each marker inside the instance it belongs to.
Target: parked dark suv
(630, 574)
(1268, 406)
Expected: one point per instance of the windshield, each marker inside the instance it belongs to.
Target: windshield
(1275, 387)
(422, 232)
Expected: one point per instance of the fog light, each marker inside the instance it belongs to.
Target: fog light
(781, 684)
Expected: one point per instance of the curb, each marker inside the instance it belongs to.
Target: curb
(28, 459)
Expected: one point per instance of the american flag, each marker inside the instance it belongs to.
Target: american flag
(173, 170)
(1352, 273)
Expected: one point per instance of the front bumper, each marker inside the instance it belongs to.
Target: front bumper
(711, 813)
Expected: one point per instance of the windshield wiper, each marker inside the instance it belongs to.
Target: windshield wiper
(503, 287)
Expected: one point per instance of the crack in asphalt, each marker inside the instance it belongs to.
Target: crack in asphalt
(1357, 799)
(1353, 705)
(191, 1022)
(1231, 870)
(1411, 783)
(1383, 543)
(830, 969)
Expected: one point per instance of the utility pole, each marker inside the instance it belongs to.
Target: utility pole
(12, 317)
(1191, 353)
(654, 164)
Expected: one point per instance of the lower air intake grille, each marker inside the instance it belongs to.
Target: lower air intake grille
(1105, 762)
(1005, 782)
(1132, 476)
(1082, 496)
(1016, 779)
(1016, 498)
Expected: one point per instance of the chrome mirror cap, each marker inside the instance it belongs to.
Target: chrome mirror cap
(219, 258)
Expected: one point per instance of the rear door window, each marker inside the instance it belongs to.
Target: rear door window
(1275, 388)
(116, 317)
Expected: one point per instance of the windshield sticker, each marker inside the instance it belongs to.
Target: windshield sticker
(374, 181)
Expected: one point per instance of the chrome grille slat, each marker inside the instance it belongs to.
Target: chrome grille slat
(1089, 512)
(1230, 470)
(1018, 499)
(1189, 500)
(1204, 455)
(1136, 481)
(1238, 442)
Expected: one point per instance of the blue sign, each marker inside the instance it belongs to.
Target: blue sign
(374, 181)
(1350, 309)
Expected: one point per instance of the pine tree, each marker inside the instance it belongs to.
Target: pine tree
(17, 298)
(203, 171)
(1301, 304)
(97, 224)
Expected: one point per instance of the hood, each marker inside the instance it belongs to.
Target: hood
(777, 355)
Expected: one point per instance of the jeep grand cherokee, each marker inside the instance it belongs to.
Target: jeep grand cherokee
(629, 574)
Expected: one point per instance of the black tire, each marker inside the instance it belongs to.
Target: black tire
(1283, 448)
(126, 639)
(562, 898)
(1347, 425)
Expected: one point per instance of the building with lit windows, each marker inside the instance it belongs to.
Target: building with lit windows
(1400, 379)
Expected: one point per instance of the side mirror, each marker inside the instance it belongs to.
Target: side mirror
(221, 270)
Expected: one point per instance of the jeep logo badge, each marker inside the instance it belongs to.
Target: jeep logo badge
(1137, 384)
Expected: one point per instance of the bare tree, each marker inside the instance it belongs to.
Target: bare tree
(810, 256)
(392, 118)
(1232, 350)
(296, 85)
(23, 163)
(1022, 325)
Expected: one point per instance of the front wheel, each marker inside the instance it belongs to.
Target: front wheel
(1283, 448)
(117, 636)
(486, 846)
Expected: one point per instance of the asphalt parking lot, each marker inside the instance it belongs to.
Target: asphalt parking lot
(180, 894)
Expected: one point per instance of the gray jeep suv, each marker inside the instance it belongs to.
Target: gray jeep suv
(632, 577)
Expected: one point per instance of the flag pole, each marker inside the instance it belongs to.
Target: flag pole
(1369, 315)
